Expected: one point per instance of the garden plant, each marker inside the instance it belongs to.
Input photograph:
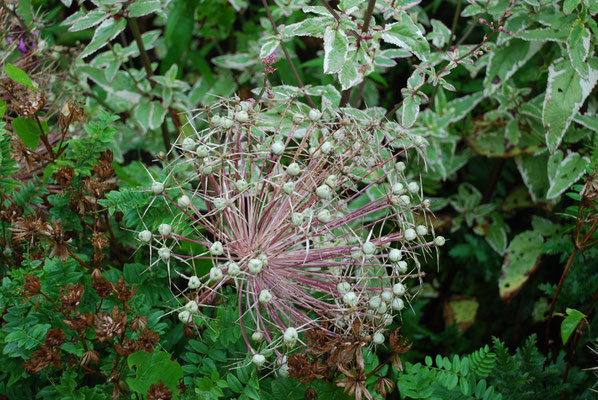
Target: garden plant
(298, 199)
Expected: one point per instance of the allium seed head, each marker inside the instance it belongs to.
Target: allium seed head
(215, 273)
(255, 266)
(157, 187)
(265, 296)
(439, 241)
(164, 254)
(422, 230)
(293, 169)
(216, 249)
(398, 304)
(378, 338)
(395, 255)
(184, 201)
(258, 360)
(185, 317)
(290, 336)
(410, 234)
(165, 229)
(192, 306)
(314, 114)
(144, 236)
(194, 282)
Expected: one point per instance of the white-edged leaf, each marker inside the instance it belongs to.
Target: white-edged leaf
(269, 47)
(589, 121)
(234, 61)
(238, 5)
(104, 34)
(521, 260)
(350, 74)
(497, 237)
(67, 2)
(460, 107)
(150, 114)
(406, 34)
(542, 35)
(533, 170)
(578, 50)
(90, 19)
(307, 27)
(440, 34)
(565, 94)
(562, 173)
(409, 112)
(144, 7)
(336, 46)
(506, 60)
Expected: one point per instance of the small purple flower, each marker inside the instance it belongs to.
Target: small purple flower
(22, 45)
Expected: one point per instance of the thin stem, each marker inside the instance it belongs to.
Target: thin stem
(330, 9)
(287, 55)
(558, 291)
(44, 138)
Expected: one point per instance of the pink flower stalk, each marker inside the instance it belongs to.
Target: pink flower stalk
(311, 221)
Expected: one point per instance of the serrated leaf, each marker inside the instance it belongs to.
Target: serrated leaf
(336, 47)
(570, 323)
(144, 7)
(522, 259)
(506, 60)
(565, 94)
(17, 75)
(88, 20)
(542, 35)
(406, 34)
(107, 31)
(562, 173)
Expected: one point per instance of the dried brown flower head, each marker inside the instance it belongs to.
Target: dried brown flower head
(64, 176)
(28, 228)
(158, 391)
(70, 297)
(32, 285)
(102, 286)
(109, 325)
(122, 291)
(55, 338)
(147, 340)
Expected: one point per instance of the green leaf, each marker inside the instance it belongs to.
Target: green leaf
(89, 20)
(409, 112)
(18, 75)
(29, 131)
(506, 60)
(406, 34)
(104, 34)
(350, 75)
(533, 170)
(578, 49)
(562, 173)
(151, 368)
(2, 110)
(150, 114)
(269, 47)
(307, 27)
(570, 323)
(522, 259)
(570, 5)
(565, 94)
(336, 46)
(234, 61)
(143, 7)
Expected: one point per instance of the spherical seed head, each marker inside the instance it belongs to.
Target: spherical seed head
(413, 187)
(323, 192)
(387, 295)
(343, 287)
(227, 123)
(395, 255)
(258, 360)
(265, 296)
(184, 201)
(185, 317)
(290, 336)
(188, 144)
(399, 289)
(194, 282)
(378, 338)
(241, 185)
(164, 253)
(157, 188)
(192, 306)
(219, 203)
(257, 336)
(298, 118)
(404, 200)
(375, 302)
(327, 147)
(439, 241)
(400, 166)
(165, 229)
(410, 234)
(297, 218)
(293, 169)
(332, 181)
(398, 304)
(144, 236)
(324, 216)
(368, 248)
(350, 299)
(402, 267)
(242, 116)
(233, 269)
(288, 187)
(397, 188)
(421, 230)
(216, 249)
(202, 151)
(314, 114)
(216, 273)
(277, 148)
(255, 266)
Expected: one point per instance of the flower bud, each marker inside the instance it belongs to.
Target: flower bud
(255, 266)
(395, 255)
(413, 187)
(165, 229)
(324, 216)
(400, 166)
(386, 295)
(258, 360)
(402, 267)
(399, 289)
(439, 241)
(202, 151)
(297, 219)
(185, 317)
(332, 181)
(398, 304)
(215, 273)
(288, 187)
(194, 282)
(410, 234)
(375, 302)
(314, 114)
(192, 306)
(293, 169)
(188, 144)
(378, 338)
(290, 336)
(233, 269)
(343, 287)
(421, 230)
(144, 236)
(241, 185)
(404, 200)
(184, 201)
(227, 123)
(265, 296)
(157, 187)
(323, 192)
(368, 248)
(350, 299)
(257, 336)
(298, 118)
(397, 188)
(164, 253)
(216, 249)
(277, 148)
(327, 147)
(242, 116)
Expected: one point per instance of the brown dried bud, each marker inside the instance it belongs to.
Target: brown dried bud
(148, 340)
(158, 391)
(55, 338)
(32, 285)
(102, 286)
(122, 291)
(310, 394)
(64, 176)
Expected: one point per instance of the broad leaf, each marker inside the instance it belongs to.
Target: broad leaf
(562, 173)
(150, 114)
(533, 170)
(29, 131)
(565, 94)
(407, 35)
(409, 112)
(234, 61)
(151, 368)
(336, 46)
(570, 323)
(522, 259)
(89, 20)
(143, 7)
(18, 75)
(107, 31)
